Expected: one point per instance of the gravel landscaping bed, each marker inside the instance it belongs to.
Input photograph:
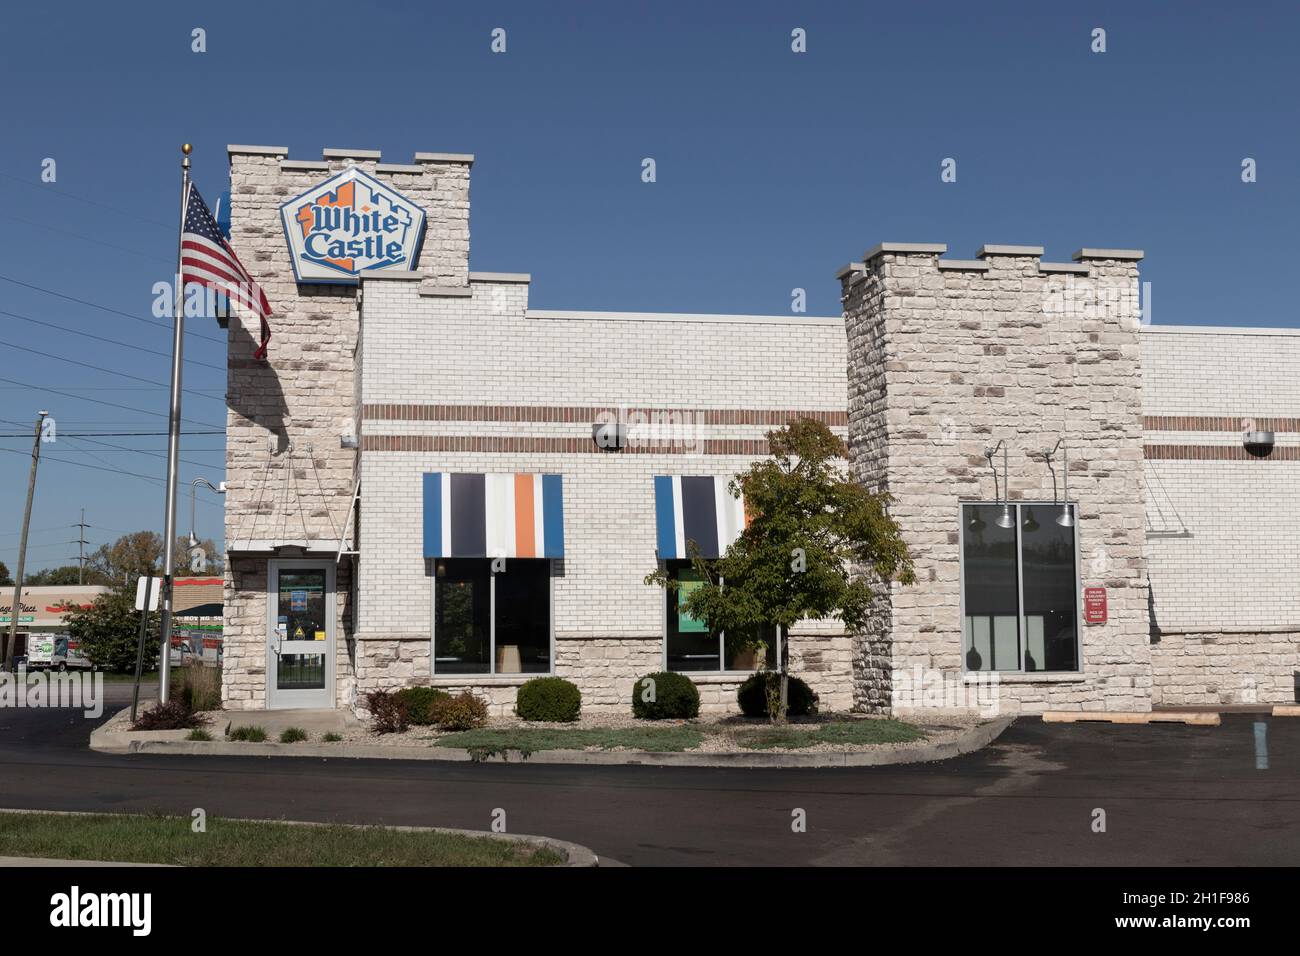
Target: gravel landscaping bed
(717, 734)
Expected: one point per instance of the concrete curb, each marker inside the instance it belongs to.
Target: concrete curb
(153, 742)
(574, 854)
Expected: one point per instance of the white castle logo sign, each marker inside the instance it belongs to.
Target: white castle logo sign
(350, 224)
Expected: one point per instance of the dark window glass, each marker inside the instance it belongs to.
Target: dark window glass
(691, 646)
(524, 617)
(990, 630)
(301, 617)
(462, 616)
(744, 655)
(1050, 589)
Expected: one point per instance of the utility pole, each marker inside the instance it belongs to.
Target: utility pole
(11, 640)
(81, 548)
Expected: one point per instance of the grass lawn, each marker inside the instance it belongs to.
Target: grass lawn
(835, 732)
(532, 739)
(159, 839)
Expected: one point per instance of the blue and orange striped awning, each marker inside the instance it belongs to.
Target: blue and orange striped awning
(696, 508)
(493, 516)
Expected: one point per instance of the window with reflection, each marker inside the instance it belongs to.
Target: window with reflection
(1020, 587)
(491, 623)
(691, 646)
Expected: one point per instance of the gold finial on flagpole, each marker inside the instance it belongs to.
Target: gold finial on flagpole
(185, 148)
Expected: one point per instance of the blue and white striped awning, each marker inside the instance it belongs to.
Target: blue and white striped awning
(493, 516)
(699, 509)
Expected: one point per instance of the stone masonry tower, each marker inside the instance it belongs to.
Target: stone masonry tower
(945, 359)
(290, 469)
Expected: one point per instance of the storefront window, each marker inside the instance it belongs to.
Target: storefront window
(692, 647)
(1019, 589)
(486, 623)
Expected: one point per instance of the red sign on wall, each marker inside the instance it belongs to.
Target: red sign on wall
(1094, 605)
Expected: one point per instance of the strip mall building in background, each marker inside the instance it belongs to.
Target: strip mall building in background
(431, 482)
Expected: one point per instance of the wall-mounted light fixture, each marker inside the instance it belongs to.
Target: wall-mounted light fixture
(1066, 518)
(1005, 519)
(1258, 444)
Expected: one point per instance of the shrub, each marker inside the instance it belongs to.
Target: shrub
(673, 696)
(198, 686)
(292, 735)
(462, 712)
(252, 735)
(752, 695)
(387, 712)
(549, 698)
(332, 738)
(198, 733)
(419, 703)
(173, 715)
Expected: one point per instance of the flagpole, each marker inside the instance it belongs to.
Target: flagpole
(173, 449)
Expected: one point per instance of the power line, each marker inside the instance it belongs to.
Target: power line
(104, 308)
(100, 338)
(108, 371)
(76, 235)
(100, 401)
(82, 464)
(46, 187)
(140, 451)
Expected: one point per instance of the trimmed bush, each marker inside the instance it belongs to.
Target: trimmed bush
(173, 715)
(419, 703)
(752, 696)
(462, 712)
(549, 698)
(387, 712)
(672, 697)
(292, 735)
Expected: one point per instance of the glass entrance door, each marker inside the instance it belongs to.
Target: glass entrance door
(300, 650)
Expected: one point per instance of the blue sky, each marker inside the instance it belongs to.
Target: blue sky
(773, 170)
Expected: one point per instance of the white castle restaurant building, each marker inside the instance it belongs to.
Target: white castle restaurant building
(431, 482)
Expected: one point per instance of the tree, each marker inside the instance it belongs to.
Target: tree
(140, 553)
(109, 631)
(6, 579)
(811, 534)
(67, 574)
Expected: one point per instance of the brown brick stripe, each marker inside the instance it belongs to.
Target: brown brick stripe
(1218, 453)
(552, 445)
(587, 414)
(1217, 423)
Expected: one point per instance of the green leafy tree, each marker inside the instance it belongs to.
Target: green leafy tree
(67, 574)
(141, 552)
(811, 534)
(109, 630)
(6, 579)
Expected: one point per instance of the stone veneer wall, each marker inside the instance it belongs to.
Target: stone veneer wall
(1224, 541)
(288, 478)
(948, 358)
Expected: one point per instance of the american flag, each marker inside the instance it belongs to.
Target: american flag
(207, 259)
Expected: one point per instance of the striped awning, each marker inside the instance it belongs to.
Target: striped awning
(493, 516)
(699, 509)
